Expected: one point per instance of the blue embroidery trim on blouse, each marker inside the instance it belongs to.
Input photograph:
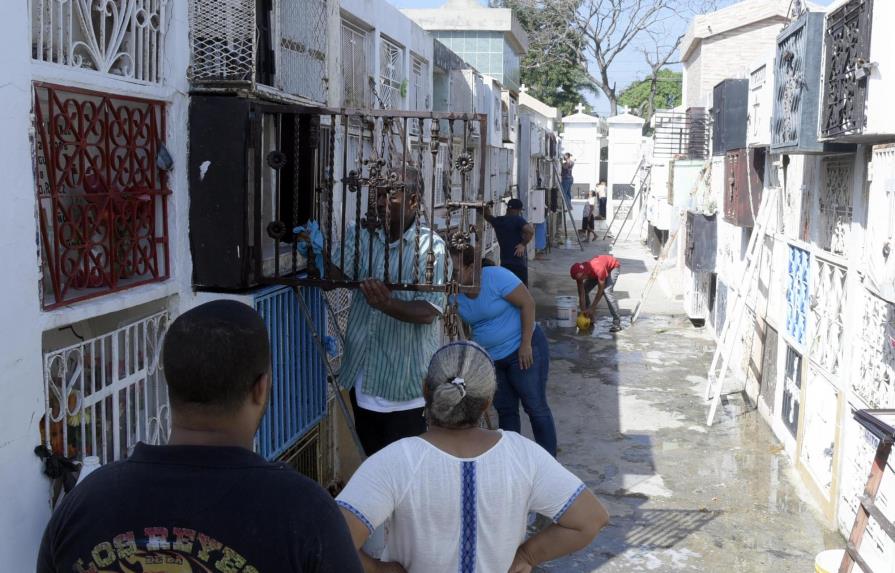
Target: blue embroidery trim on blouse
(568, 504)
(468, 519)
(357, 513)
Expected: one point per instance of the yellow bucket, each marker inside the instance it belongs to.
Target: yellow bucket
(828, 561)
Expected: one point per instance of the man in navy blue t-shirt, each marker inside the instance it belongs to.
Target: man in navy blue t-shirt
(513, 234)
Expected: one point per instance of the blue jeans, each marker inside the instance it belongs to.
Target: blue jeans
(529, 386)
(608, 294)
(566, 184)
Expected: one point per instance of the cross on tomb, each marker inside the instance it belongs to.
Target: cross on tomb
(579, 108)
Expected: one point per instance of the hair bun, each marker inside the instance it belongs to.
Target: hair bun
(459, 385)
(446, 397)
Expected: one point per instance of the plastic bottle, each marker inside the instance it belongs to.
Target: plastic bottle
(88, 466)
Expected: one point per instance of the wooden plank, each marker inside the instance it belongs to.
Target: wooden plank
(869, 505)
(852, 552)
(852, 555)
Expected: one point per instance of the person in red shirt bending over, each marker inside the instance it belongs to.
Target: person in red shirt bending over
(600, 271)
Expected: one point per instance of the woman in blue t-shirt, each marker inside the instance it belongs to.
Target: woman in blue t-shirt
(502, 318)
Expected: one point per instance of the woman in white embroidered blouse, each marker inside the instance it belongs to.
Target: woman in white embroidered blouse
(457, 498)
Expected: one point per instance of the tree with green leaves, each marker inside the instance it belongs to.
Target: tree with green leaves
(659, 91)
(552, 70)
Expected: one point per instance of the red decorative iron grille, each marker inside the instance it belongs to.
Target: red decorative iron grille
(102, 196)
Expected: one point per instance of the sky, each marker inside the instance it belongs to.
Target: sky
(627, 68)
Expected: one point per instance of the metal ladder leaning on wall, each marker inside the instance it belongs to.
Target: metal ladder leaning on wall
(566, 212)
(654, 275)
(641, 166)
(730, 332)
(644, 184)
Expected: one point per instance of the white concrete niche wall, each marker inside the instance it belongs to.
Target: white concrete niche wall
(625, 151)
(25, 507)
(25, 516)
(583, 137)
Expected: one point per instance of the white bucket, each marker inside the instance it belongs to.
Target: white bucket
(828, 561)
(566, 310)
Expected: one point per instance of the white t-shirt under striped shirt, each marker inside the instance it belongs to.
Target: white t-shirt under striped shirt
(448, 514)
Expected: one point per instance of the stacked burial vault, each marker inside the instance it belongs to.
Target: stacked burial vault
(814, 126)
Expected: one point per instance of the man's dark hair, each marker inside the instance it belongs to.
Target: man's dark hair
(214, 354)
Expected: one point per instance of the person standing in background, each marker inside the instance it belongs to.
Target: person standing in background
(601, 199)
(502, 318)
(588, 216)
(391, 335)
(566, 179)
(513, 235)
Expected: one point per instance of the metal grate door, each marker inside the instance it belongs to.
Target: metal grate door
(354, 66)
(391, 74)
(298, 382)
(301, 62)
(223, 44)
(419, 87)
(846, 48)
(105, 394)
(835, 204)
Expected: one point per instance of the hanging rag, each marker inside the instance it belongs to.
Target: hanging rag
(58, 467)
(312, 230)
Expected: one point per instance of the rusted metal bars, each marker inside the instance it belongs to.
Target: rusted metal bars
(382, 171)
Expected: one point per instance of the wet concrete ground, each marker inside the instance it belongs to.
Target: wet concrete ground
(630, 418)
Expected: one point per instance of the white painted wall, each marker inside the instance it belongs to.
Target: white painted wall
(625, 145)
(26, 497)
(584, 141)
(25, 507)
(723, 44)
(382, 19)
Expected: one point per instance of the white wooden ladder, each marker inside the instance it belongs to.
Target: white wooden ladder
(730, 332)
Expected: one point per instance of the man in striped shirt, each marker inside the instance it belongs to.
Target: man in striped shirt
(391, 335)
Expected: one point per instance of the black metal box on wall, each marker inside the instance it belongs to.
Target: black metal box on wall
(797, 88)
(743, 173)
(242, 152)
(730, 112)
(702, 241)
(698, 141)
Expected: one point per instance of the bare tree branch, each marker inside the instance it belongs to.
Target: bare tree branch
(611, 27)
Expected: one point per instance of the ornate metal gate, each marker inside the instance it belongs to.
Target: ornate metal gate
(101, 193)
(874, 381)
(835, 203)
(370, 159)
(797, 294)
(847, 52)
(828, 306)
